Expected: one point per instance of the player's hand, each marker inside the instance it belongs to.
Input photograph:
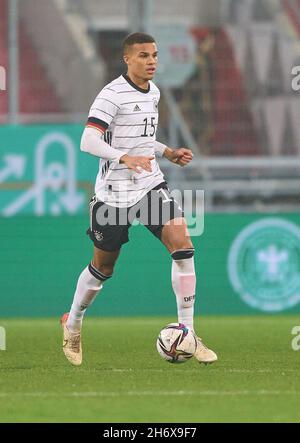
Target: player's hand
(137, 163)
(180, 156)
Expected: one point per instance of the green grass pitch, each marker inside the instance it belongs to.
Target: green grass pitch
(123, 379)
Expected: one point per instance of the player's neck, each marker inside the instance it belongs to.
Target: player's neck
(138, 81)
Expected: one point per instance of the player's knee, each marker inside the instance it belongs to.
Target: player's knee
(106, 269)
(183, 253)
(100, 271)
(178, 244)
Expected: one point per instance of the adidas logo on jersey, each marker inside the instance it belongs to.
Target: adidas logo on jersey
(137, 108)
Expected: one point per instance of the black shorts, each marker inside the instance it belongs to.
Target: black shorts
(109, 225)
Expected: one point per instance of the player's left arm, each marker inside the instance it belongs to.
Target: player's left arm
(179, 156)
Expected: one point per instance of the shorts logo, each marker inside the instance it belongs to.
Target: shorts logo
(264, 264)
(98, 235)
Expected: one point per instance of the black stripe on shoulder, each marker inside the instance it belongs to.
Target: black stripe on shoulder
(98, 122)
(106, 100)
(124, 92)
(117, 84)
(104, 89)
(101, 110)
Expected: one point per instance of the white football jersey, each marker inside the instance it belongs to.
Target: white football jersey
(129, 115)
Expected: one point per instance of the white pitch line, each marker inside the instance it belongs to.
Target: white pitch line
(214, 369)
(242, 371)
(148, 393)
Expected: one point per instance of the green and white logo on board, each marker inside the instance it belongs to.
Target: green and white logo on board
(264, 264)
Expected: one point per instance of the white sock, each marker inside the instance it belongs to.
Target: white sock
(184, 285)
(87, 288)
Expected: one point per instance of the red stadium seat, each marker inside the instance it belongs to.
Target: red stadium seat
(37, 94)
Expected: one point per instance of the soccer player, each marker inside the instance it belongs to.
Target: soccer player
(121, 130)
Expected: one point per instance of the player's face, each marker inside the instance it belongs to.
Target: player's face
(141, 60)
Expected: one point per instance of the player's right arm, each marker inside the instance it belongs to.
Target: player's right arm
(94, 144)
(102, 112)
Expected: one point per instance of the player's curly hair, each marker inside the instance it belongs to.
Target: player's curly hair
(136, 37)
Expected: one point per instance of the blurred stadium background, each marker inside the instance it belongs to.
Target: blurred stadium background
(228, 93)
(226, 81)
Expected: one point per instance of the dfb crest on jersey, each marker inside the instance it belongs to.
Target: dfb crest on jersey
(155, 104)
